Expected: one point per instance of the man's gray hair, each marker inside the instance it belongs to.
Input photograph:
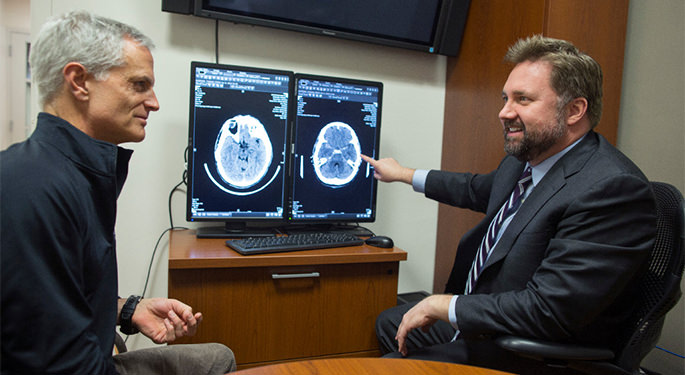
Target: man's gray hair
(95, 42)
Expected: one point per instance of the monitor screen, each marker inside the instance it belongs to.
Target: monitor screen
(238, 138)
(336, 121)
(411, 21)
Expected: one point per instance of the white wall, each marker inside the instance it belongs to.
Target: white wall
(652, 125)
(14, 17)
(411, 127)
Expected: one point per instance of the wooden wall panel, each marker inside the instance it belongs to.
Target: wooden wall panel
(472, 136)
(597, 28)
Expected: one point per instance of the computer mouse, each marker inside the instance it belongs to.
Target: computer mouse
(380, 241)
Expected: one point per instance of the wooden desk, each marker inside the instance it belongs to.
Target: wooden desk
(272, 308)
(368, 366)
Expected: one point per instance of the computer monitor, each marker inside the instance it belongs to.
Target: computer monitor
(238, 147)
(336, 120)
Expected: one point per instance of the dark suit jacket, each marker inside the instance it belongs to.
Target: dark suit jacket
(565, 267)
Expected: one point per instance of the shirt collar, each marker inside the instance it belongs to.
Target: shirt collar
(539, 171)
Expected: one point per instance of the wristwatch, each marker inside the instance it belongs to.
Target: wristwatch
(125, 324)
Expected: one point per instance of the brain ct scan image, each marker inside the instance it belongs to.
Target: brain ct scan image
(336, 155)
(243, 151)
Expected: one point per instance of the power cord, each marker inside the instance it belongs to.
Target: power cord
(149, 268)
(171, 227)
(670, 352)
(171, 193)
(216, 40)
(184, 181)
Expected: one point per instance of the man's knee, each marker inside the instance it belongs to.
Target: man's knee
(391, 318)
(382, 322)
(386, 327)
(205, 359)
(223, 356)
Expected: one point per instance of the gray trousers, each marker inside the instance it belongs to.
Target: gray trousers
(196, 359)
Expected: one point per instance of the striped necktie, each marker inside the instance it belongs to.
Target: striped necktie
(488, 242)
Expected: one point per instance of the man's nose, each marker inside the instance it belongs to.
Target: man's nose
(152, 103)
(507, 112)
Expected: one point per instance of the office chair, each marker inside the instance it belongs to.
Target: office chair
(659, 292)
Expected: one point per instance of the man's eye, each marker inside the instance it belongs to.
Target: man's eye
(140, 85)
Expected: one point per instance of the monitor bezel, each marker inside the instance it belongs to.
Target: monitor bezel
(374, 203)
(240, 222)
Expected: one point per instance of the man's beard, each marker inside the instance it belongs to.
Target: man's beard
(533, 143)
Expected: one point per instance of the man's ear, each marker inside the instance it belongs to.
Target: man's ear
(576, 110)
(75, 76)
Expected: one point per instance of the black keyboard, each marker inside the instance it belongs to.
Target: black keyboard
(293, 242)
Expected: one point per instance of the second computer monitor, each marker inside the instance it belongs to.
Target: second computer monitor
(336, 121)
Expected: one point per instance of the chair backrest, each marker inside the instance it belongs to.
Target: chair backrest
(660, 287)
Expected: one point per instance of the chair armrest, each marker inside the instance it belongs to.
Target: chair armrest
(550, 350)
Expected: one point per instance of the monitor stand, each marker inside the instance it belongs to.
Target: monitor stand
(235, 230)
(353, 229)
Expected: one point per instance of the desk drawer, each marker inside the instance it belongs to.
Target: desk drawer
(280, 313)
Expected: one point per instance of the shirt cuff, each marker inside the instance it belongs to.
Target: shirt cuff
(418, 181)
(453, 312)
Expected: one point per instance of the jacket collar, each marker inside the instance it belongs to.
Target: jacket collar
(98, 157)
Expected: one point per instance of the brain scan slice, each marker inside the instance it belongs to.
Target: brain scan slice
(242, 151)
(336, 155)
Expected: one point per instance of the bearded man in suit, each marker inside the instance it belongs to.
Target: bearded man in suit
(559, 252)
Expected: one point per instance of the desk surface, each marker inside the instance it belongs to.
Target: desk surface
(367, 366)
(187, 251)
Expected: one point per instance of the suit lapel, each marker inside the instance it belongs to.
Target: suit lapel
(550, 185)
(504, 184)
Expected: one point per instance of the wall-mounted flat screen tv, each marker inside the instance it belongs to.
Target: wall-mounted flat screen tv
(433, 26)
